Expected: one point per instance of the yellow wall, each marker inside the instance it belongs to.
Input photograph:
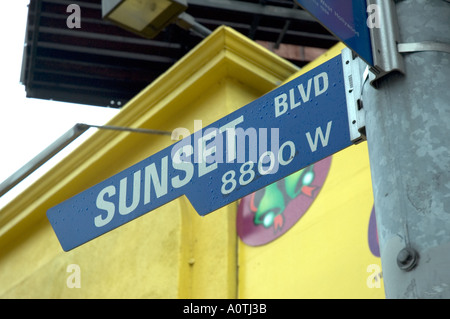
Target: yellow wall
(172, 252)
(326, 253)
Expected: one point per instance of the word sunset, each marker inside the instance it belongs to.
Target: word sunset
(276, 135)
(192, 159)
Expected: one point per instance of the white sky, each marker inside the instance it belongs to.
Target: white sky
(28, 126)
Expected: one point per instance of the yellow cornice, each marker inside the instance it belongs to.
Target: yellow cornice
(225, 53)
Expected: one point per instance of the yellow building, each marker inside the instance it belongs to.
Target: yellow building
(172, 252)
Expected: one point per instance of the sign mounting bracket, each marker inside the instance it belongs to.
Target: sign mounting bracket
(385, 39)
(353, 68)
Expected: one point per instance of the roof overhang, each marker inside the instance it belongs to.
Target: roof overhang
(102, 64)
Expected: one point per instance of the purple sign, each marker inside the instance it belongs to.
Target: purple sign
(347, 20)
(373, 235)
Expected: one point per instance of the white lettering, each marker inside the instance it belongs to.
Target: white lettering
(205, 152)
(292, 99)
(261, 169)
(123, 208)
(319, 134)
(200, 309)
(305, 95)
(231, 140)
(180, 133)
(246, 308)
(374, 279)
(262, 308)
(247, 173)
(241, 136)
(318, 90)
(291, 146)
(74, 279)
(104, 205)
(185, 166)
(373, 20)
(156, 175)
(74, 20)
(280, 104)
(151, 175)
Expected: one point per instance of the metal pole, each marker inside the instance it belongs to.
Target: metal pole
(60, 144)
(41, 158)
(408, 135)
(187, 22)
(127, 129)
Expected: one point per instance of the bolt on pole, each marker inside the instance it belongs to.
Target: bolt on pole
(408, 135)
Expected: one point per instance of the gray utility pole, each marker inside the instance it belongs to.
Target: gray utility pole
(408, 135)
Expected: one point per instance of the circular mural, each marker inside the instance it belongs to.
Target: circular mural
(268, 213)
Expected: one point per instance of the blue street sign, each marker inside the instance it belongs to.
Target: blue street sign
(347, 20)
(276, 135)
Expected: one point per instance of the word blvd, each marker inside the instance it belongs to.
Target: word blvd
(282, 103)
